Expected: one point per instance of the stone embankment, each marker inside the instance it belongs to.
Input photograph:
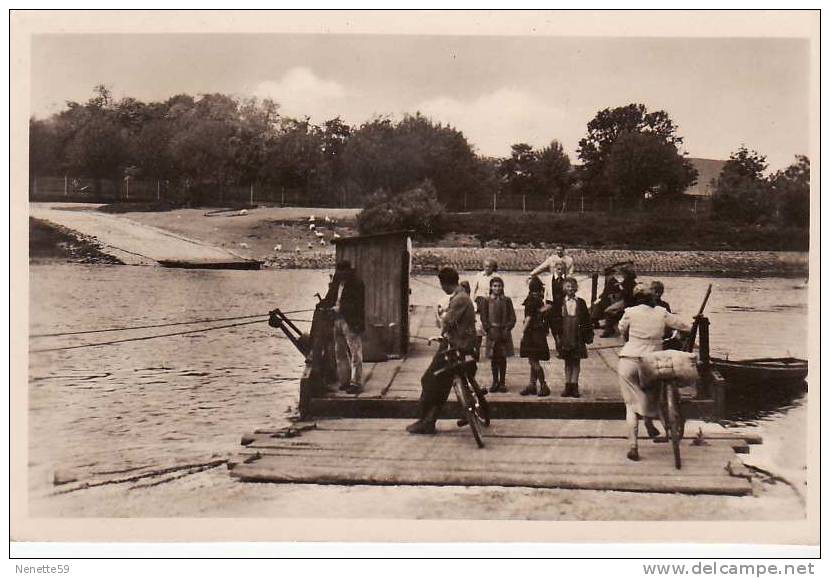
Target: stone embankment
(732, 263)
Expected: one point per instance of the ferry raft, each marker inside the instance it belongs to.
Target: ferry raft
(551, 442)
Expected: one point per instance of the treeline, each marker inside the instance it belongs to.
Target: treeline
(199, 144)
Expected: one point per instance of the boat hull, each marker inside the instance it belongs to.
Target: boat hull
(762, 373)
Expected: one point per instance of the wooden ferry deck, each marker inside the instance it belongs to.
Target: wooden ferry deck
(341, 441)
(392, 388)
(572, 454)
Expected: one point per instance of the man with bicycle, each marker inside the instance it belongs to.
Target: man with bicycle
(458, 328)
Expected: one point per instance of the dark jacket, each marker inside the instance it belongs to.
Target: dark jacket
(458, 323)
(352, 302)
(586, 328)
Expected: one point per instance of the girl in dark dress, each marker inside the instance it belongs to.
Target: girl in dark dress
(498, 319)
(534, 344)
(572, 329)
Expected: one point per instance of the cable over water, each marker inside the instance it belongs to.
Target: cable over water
(171, 324)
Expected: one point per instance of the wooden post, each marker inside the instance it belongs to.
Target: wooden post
(282, 201)
(594, 286)
(252, 194)
(581, 202)
(494, 201)
(158, 190)
(524, 202)
(127, 188)
(705, 383)
(65, 186)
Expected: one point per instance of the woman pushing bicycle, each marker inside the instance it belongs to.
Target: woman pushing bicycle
(643, 326)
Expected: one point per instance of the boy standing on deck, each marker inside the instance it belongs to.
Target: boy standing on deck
(458, 326)
(346, 298)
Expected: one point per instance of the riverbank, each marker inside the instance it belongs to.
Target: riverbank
(284, 238)
(48, 241)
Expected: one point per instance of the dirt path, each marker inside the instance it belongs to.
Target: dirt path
(132, 242)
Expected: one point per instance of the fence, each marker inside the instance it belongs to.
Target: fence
(83, 189)
(89, 190)
(574, 204)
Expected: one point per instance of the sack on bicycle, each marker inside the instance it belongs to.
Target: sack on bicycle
(679, 366)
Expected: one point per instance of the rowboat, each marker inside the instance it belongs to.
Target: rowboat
(768, 371)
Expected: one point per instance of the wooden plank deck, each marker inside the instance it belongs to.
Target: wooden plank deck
(572, 454)
(392, 388)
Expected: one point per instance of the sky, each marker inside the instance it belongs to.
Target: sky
(722, 93)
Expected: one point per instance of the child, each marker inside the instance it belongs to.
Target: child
(572, 329)
(534, 344)
(480, 293)
(557, 282)
(498, 319)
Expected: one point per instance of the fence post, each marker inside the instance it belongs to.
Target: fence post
(252, 194)
(65, 186)
(282, 201)
(494, 201)
(127, 187)
(158, 190)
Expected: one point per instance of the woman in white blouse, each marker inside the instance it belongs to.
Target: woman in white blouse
(643, 326)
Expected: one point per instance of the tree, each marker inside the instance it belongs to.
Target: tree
(416, 209)
(643, 166)
(741, 192)
(606, 128)
(554, 175)
(519, 170)
(396, 156)
(791, 188)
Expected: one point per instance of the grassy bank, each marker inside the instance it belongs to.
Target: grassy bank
(639, 231)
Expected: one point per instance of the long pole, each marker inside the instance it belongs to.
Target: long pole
(252, 194)
(494, 201)
(65, 186)
(158, 190)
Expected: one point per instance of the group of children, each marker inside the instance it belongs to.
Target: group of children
(564, 315)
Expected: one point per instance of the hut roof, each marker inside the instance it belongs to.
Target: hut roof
(359, 238)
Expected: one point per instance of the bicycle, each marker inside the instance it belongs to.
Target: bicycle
(671, 416)
(475, 410)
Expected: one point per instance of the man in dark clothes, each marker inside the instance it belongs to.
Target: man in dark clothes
(458, 326)
(346, 298)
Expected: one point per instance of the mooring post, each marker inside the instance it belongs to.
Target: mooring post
(705, 384)
(594, 285)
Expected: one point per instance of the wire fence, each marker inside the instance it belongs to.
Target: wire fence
(91, 190)
(85, 189)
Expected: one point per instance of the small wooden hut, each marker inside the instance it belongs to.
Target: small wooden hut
(382, 262)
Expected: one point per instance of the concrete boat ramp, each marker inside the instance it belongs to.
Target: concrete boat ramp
(134, 243)
(551, 442)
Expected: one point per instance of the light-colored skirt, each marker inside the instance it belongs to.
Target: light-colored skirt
(644, 402)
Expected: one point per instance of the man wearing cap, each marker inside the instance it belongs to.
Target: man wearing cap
(346, 298)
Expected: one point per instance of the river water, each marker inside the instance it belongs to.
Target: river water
(188, 398)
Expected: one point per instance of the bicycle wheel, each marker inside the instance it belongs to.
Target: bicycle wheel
(676, 425)
(465, 400)
(481, 407)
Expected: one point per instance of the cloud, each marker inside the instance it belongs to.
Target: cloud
(495, 120)
(300, 93)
